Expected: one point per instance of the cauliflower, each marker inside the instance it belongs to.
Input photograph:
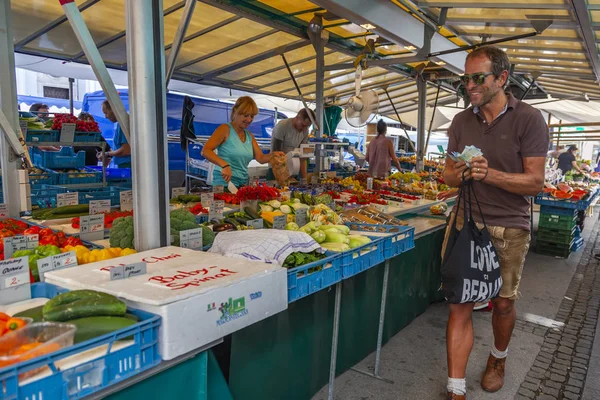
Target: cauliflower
(121, 233)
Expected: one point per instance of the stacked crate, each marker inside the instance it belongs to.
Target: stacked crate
(558, 233)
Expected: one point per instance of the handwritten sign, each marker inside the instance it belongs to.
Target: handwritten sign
(32, 241)
(255, 223)
(126, 200)
(3, 212)
(301, 218)
(218, 189)
(369, 183)
(14, 280)
(91, 227)
(216, 209)
(178, 191)
(99, 207)
(191, 239)
(67, 199)
(14, 244)
(67, 133)
(279, 222)
(56, 262)
(127, 271)
(206, 199)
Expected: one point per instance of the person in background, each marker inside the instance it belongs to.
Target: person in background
(568, 160)
(513, 137)
(122, 155)
(380, 153)
(92, 153)
(41, 111)
(231, 147)
(290, 133)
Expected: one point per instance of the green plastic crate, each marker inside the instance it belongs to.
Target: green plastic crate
(553, 249)
(558, 222)
(556, 235)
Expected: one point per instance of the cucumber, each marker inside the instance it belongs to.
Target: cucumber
(251, 213)
(131, 317)
(231, 221)
(92, 327)
(35, 313)
(82, 303)
(81, 208)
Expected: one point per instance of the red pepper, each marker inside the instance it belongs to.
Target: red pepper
(46, 232)
(34, 230)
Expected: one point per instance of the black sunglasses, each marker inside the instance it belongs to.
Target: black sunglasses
(478, 78)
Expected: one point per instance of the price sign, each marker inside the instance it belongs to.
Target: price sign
(319, 191)
(206, 199)
(126, 200)
(279, 222)
(191, 239)
(218, 189)
(383, 208)
(67, 133)
(216, 209)
(32, 241)
(92, 227)
(3, 212)
(99, 207)
(301, 218)
(255, 223)
(23, 126)
(178, 191)
(287, 195)
(67, 199)
(53, 263)
(13, 244)
(14, 280)
(369, 183)
(127, 271)
(394, 183)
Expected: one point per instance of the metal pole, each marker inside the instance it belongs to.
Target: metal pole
(334, 338)
(386, 274)
(71, 106)
(147, 100)
(86, 41)
(412, 146)
(422, 90)
(188, 13)
(8, 101)
(299, 91)
(432, 117)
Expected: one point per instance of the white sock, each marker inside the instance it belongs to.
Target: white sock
(497, 353)
(457, 386)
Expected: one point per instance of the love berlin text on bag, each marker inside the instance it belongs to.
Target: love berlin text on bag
(470, 268)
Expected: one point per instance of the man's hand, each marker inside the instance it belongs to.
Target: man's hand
(479, 168)
(461, 168)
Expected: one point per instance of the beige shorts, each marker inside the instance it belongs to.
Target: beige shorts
(512, 246)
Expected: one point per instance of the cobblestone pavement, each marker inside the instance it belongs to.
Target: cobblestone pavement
(560, 368)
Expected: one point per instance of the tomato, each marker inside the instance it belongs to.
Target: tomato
(6, 233)
(34, 230)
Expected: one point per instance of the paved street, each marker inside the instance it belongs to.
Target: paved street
(554, 353)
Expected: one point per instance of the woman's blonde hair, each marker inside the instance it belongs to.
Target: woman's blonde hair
(244, 105)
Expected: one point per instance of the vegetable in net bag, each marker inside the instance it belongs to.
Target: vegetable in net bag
(280, 169)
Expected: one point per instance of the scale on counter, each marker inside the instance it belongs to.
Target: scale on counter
(359, 158)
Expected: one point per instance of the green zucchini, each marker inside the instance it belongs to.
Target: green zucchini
(82, 303)
(231, 221)
(35, 313)
(81, 208)
(267, 224)
(92, 327)
(131, 317)
(251, 213)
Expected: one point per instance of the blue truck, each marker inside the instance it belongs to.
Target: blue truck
(209, 114)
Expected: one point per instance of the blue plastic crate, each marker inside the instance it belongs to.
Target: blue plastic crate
(581, 205)
(44, 196)
(47, 177)
(577, 244)
(112, 367)
(65, 158)
(310, 278)
(401, 238)
(108, 193)
(364, 257)
(558, 211)
(114, 174)
(41, 135)
(87, 136)
(72, 178)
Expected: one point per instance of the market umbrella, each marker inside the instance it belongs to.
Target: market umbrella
(187, 122)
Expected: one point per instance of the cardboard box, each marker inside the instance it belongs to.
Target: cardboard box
(201, 297)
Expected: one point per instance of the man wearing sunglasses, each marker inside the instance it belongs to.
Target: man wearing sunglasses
(513, 137)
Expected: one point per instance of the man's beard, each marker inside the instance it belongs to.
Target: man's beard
(486, 96)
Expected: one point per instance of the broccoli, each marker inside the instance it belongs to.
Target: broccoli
(121, 233)
(181, 220)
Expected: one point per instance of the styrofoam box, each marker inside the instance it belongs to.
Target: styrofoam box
(201, 297)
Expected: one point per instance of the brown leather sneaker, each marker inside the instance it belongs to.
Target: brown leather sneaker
(454, 396)
(493, 378)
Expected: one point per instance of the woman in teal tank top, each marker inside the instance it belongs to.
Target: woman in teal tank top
(231, 147)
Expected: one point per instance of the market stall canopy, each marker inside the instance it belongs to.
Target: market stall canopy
(237, 45)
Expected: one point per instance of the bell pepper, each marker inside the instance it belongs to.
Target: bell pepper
(48, 240)
(34, 230)
(15, 323)
(4, 317)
